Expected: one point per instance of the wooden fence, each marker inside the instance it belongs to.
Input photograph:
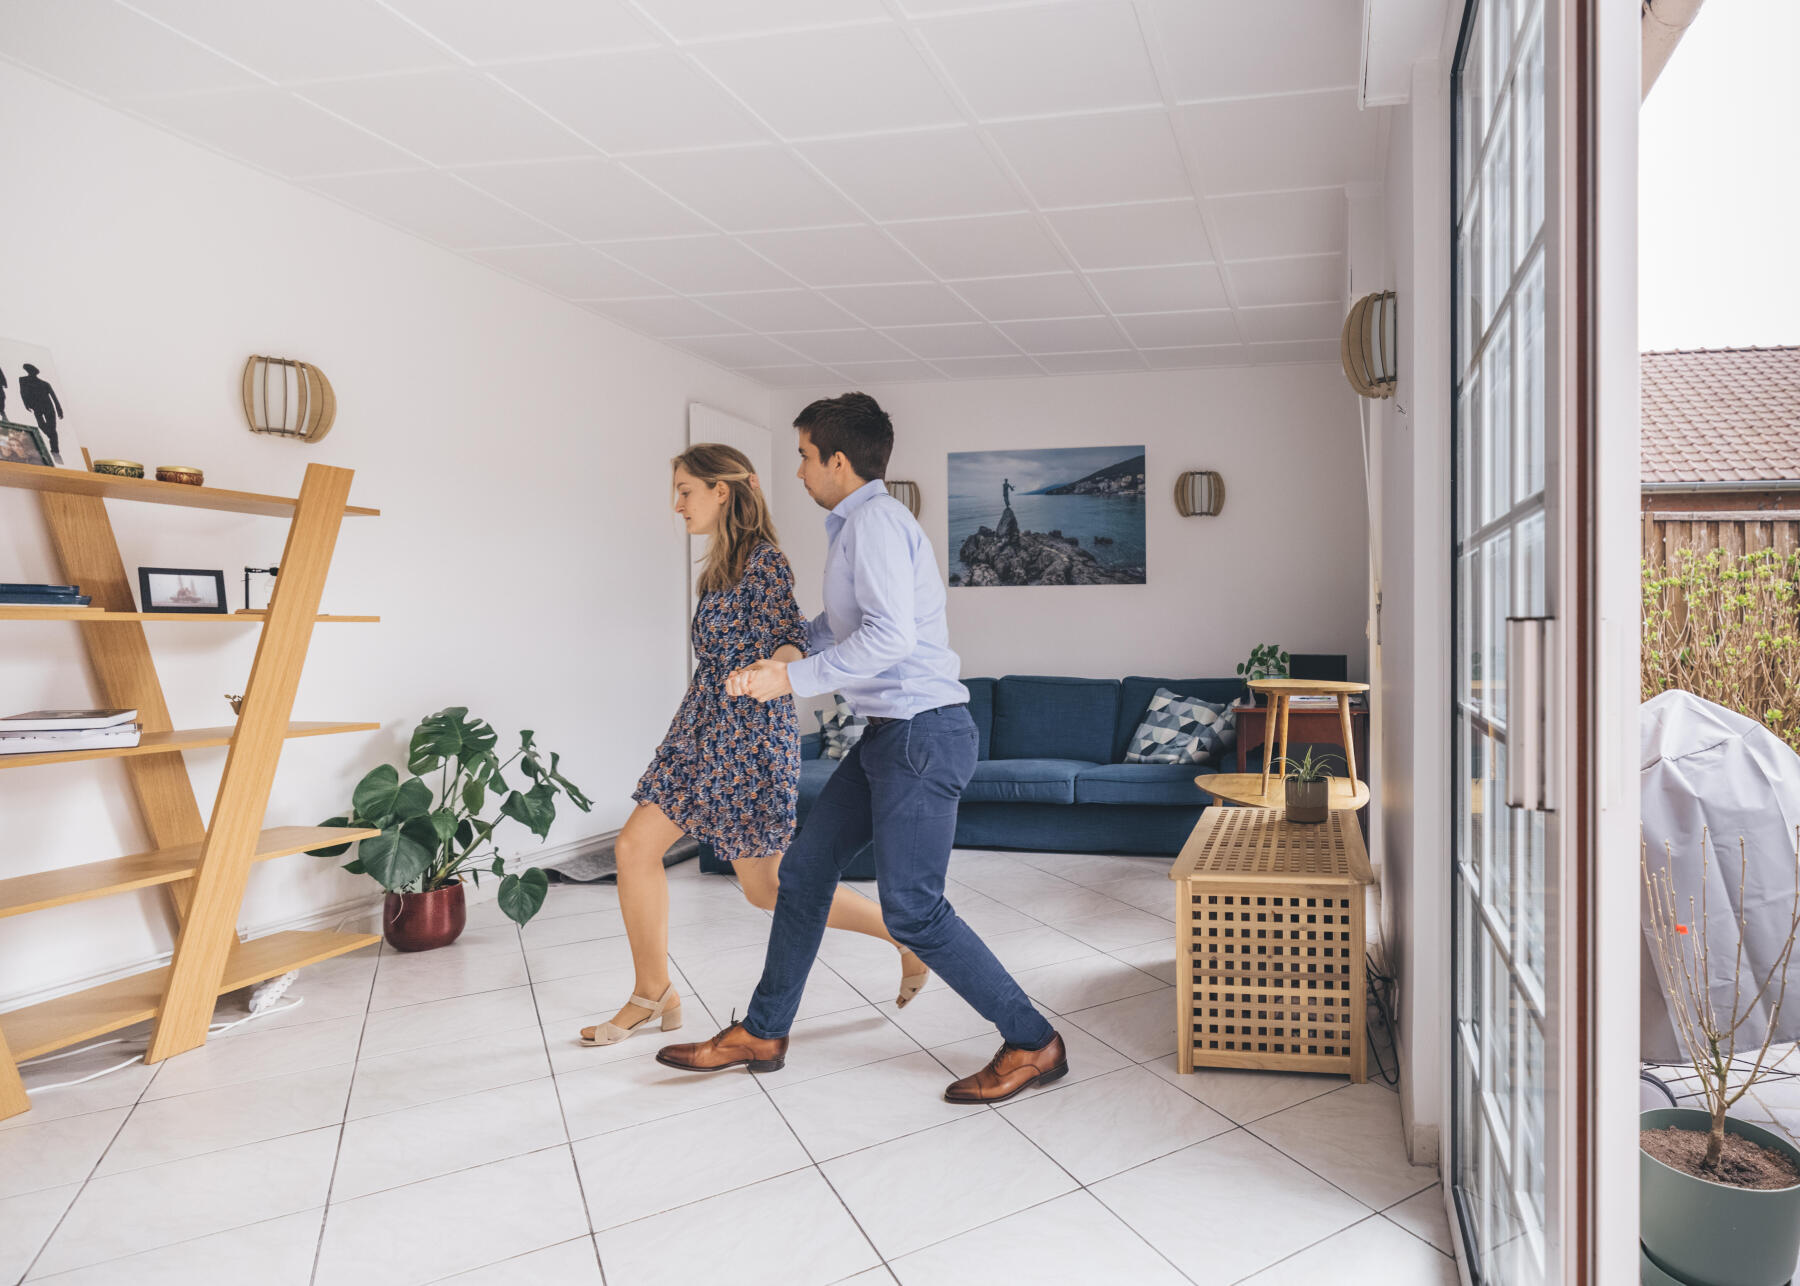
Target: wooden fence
(1736, 533)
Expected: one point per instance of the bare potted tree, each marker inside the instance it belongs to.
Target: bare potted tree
(1720, 1197)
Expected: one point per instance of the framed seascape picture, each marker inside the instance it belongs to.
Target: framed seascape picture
(1056, 516)
(180, 589)
(34, 427)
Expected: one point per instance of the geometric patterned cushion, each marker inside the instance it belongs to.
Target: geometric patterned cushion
(840, 729)
(1183, 730)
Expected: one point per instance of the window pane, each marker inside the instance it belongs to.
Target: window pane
(1497, 448)
(1531, 94)
(1530, 314)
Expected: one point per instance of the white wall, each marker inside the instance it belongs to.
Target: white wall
(525, 565)
(1285, 562)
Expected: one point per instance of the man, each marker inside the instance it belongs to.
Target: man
(882, 642)
(40, 400)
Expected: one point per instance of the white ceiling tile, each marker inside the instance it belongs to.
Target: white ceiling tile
(699, 265)
(271, 128)
(1082, 363)
(987, 368)
(1065, 335)
(1294, 322)
(664, 316)
(918, 304)
(437, 207)
(454, 117)
(871, 373)
(1324, 140)
(1131, 236)
(1177, 288)
(1304, 351)
(835, 346)
(112, 52)
(739, 350)
(968, 339)
(1076, 160)
(1309, 279)
(586, 198)
(773, 310)
(722, 19)
(989, 246)
(574, 272)
(1054, 294)
(1046, 61)
(640, 100)
(1228, 49)
(927, 174)
(851, 256)
(849, 80)
(485, 32)
(790, 376)
(1181, 330)
(1163, 359)
(330, 38)
(1258, 225)
(747, 189)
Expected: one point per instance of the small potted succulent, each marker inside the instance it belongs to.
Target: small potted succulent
(430, 839)
(1719, 1197)
(1308, 783)
(1267, 661)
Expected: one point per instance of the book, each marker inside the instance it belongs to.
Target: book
(6, 588)
(23, 600)
(39, 743)
(34, 721)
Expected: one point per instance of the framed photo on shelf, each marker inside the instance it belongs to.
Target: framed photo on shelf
(180, 589)
(20, 444)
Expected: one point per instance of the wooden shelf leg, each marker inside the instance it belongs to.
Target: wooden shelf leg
(225, 855)
(13, 1099)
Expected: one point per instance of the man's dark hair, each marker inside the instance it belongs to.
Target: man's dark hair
(855, 424)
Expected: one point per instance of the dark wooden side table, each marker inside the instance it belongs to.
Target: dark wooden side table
(1319, 726)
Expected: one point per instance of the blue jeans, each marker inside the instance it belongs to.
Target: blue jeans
(899, 786)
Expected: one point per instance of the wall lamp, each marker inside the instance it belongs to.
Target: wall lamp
(1199, 493)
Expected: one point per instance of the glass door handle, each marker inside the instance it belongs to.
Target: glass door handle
(1531, 672)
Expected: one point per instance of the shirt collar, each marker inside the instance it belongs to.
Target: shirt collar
(855, 500)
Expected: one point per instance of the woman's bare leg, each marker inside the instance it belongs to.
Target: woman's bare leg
(759, 877)
(644, 902)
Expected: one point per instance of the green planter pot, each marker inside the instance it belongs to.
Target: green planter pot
(1709, 1234)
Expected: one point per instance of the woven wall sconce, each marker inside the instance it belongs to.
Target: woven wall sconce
(1199, 493)
(1370, 345)
(288, 399)
(907, 493)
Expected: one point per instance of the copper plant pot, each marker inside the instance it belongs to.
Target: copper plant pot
(423, 921)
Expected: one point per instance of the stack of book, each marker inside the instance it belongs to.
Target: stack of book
(38, 732)
(43, 596)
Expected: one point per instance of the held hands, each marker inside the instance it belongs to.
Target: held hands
(763, 681)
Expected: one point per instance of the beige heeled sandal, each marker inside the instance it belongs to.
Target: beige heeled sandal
(911, 984)
(612, 1033)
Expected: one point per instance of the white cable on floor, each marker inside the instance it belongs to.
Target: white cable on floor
(212, 1030)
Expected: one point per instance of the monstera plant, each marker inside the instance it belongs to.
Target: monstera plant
(436, 826)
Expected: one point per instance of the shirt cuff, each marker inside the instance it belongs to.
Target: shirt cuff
(803, 677)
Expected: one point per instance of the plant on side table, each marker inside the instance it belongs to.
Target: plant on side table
(1308, 783)
(431, 839)
(1720, 1198)
(1267, 661)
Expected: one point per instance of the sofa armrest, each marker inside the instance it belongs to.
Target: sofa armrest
(811, 746)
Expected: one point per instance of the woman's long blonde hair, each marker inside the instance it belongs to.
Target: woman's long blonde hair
(744, 521)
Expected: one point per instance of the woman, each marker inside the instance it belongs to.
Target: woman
(728, 771)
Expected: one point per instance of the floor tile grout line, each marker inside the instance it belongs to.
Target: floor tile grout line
(476, 1268)
(337, 1154)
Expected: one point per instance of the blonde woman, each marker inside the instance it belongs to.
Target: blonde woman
(728, 771)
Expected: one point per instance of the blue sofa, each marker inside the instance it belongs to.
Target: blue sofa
(1051, 774)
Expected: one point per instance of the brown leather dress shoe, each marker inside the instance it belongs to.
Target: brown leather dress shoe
(1012, 1070)
(733, 1047)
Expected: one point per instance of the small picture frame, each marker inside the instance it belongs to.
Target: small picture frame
(181, 589)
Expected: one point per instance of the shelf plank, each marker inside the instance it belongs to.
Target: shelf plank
(77, 482)
(83, 1015)
(44, 889)
(162, 743)
(15, 612)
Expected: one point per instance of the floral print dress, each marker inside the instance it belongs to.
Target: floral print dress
(728, 771)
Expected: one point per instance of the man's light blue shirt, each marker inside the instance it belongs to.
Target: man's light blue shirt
(882, 640)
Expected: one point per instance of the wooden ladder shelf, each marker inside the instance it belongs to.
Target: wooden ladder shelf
(202, 868)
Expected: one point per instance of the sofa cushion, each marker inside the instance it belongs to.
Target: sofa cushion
(981, 710)
(814, 773)
(840, 727)
(1141, 784)
(1042, 717)
(1024, 781)
(1134, 698)
(1183, 730)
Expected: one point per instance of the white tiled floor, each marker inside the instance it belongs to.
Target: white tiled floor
(430, 1118)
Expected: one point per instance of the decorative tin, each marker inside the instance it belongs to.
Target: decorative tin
(183, 473)
(120, 468)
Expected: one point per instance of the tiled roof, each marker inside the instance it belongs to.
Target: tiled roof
(1721, 415)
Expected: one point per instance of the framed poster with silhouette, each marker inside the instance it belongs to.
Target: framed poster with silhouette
(34, 428)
